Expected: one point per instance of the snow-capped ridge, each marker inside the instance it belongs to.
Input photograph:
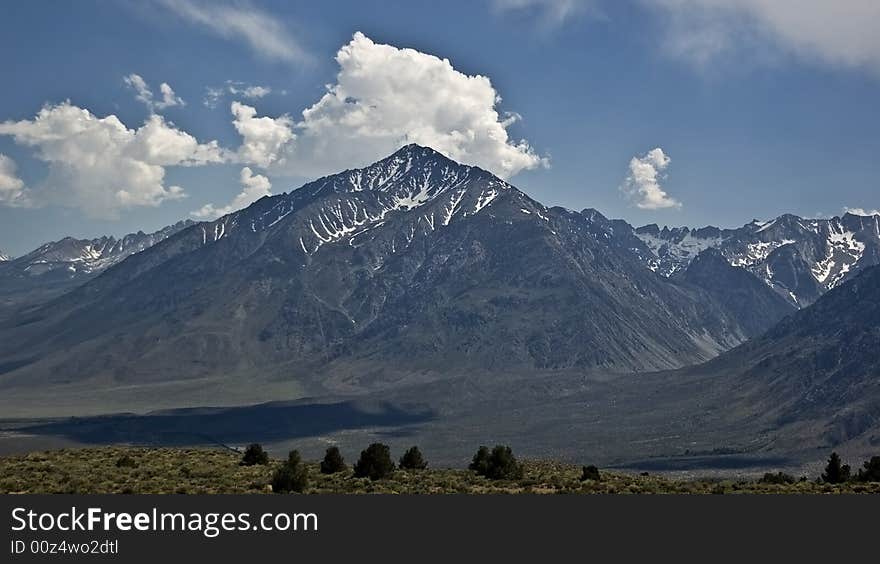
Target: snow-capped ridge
(415, 180)
(73, 257)
(801, 258)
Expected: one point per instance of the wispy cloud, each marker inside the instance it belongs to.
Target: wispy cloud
(259, 29)
(213, 95)
(551, 12)
(840, 33)
(144, 94)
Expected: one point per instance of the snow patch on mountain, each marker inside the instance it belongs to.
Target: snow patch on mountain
(74, 257)
(776, 251)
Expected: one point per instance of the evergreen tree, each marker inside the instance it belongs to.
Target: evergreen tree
(291, 476)
(480, 462)
(333, 461)
(499, 464)
(253, 455)
(835, 471)
(413, 460)
(871, 470)
(375, 462)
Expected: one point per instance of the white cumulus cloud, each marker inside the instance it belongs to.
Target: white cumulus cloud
(254, 187)
(642, 184)
(261, 31)
(144, 94)
(385, 97)
(101, 166)
(840, 32)
(265, 140)
(13, 192)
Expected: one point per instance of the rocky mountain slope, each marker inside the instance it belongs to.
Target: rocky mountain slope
(415, 266)
(799, 258)
(817, 373)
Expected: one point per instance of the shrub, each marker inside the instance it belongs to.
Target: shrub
(413, 460)
(333, 461)
(591, 473)
(291, 476)
(871, 470)
(835, 472)
(375, 462)
(126, 461)
(777, 478)
(253, 455)
(500, 464)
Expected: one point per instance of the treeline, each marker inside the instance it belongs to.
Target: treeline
(499, 463)
(836, 472)
(375, 463)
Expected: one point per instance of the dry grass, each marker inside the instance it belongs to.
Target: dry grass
(205, 471)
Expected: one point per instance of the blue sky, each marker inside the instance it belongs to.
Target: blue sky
(678, 112)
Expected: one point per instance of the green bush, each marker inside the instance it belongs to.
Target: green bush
(413, 459)
(590, 473)
(126, 461)
(253, 455)
(333, 461)
(777, 478)
(375, 462)
(500, 464)
(835, 472)
(291, 476)
(871, 470)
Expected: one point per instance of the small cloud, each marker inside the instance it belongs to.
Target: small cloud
(144, 94)
(642, 184)
(240, 89)
(212, 97)
(254, 187)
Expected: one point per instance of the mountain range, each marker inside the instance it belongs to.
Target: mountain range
(58, 266)
(799, 258)
(415, 272)
(415, 263)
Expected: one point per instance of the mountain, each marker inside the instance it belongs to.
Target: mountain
(414, 267)
(58, 266)
(4, 257)
(799, 258)
(816, 374)
(756, 306)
